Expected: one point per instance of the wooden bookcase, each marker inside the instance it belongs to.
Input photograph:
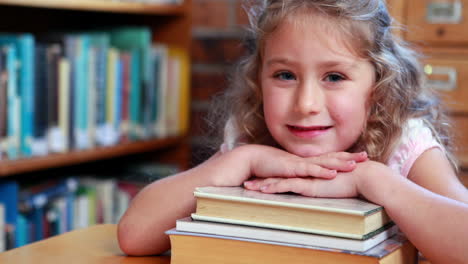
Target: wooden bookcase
(170, 24)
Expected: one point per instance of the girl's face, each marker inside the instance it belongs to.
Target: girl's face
(315, 90)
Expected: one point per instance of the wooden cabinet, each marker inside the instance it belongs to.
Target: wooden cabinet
(169, 24)
(438, 29)
(449, 76)
(437, 22)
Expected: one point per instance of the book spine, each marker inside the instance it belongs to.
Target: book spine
(3, 105)
(101, 82)
(13, 104)
(64, 97)
(161, 66)
(81, 132)
(135, 97)
(39, 144)
(126, 73)
(27, 89)
(53, 52)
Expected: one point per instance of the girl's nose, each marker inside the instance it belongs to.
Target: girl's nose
(309, 99)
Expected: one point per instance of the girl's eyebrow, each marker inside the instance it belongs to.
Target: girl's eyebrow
(343, 64)
(324, 64)
(285, 61)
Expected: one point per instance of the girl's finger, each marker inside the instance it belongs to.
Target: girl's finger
(257, 183)
(358, 157)
(296, 185)
(338, 187)
(334, 163)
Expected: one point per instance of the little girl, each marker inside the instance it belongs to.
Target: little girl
(327, 104)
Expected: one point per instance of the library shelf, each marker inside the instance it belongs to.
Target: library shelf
(11, 167)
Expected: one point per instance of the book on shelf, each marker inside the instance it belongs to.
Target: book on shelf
(198, 248)
(278, 235)
(348, 218)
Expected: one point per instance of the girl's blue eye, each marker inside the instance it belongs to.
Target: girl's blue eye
(334, 77)
(286, 76)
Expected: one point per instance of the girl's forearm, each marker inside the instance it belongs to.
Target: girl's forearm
(141, 231)
(435, 224)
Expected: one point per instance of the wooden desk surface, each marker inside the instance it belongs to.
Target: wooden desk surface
(96, 244)
(93, 245)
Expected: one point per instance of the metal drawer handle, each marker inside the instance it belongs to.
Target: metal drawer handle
(449, 84)
(444, 12)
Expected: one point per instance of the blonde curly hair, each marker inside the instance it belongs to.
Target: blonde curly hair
(399, 93)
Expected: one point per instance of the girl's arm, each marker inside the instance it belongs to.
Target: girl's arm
(434, 219)
(157, 207)
(432, 211)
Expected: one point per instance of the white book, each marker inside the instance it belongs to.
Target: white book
(282, 236)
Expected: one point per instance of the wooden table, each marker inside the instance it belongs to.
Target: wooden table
(96, 244)
(93, 245)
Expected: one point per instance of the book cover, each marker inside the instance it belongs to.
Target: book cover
(276, 235)
(349, 218)
(197, 248)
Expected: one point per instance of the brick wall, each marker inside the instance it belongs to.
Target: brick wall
(216, 34)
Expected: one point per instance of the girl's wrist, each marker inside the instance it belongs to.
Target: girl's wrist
(377, 187)
(231, 168)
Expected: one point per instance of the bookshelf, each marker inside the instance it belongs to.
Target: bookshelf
(169, 24)
(10, 167)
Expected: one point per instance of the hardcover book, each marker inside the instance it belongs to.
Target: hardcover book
(347, 218)
(197, 248)
(277, 235)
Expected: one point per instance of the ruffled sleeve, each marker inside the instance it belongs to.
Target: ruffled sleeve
(416, 139)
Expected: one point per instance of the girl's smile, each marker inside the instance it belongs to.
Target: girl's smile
(309, 131)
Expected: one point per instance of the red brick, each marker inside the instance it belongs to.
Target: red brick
(211, 13)
(241, 16)
(205, 85)
(213, 50)
(198, 125)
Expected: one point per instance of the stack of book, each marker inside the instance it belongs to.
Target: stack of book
(234, 225)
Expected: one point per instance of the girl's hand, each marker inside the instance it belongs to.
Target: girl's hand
(276, 164)
(345, 184)
(260, 161)
(269, 162)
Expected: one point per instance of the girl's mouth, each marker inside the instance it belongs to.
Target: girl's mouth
(308, 131)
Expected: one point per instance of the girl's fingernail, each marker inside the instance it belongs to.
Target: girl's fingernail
(247, 183)
(333, 172)
(264, 187)
(351, 162)
(363, 154)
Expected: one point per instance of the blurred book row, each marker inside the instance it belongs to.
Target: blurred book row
(34, 211)
(64, 91)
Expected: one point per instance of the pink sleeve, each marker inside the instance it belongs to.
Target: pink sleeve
(415, 140)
